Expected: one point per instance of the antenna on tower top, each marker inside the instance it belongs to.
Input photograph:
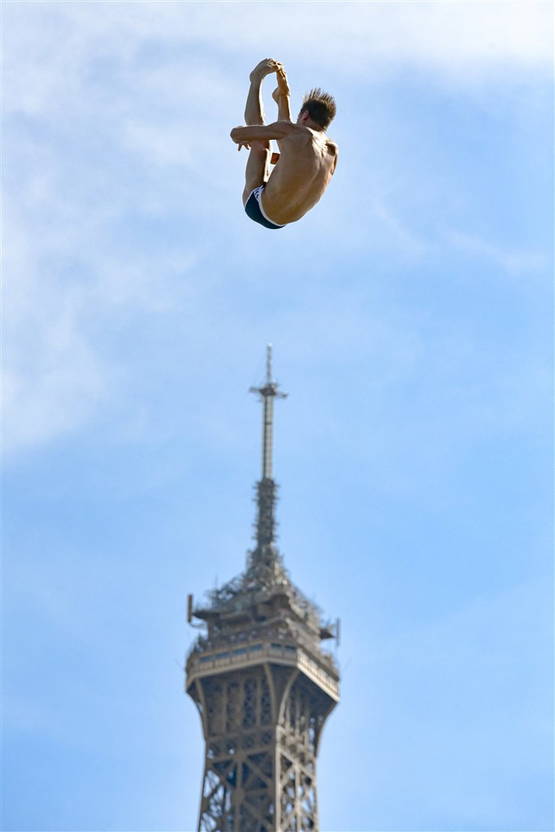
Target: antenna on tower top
(268, 363)
(268, 393)
(266, 487)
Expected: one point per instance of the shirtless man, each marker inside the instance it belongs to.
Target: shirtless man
(307, 158)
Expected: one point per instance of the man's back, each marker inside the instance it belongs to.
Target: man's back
(306, 164)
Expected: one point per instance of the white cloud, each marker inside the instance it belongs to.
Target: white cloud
(511, 260)
(159, 144)
(402, 237)
(55, 376)
(52, 49)
(113, 106)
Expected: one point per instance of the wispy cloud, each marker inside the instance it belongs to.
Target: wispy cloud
(115, 128)
(54, 49)
(511, 261)
(137, 300)
(56, 374)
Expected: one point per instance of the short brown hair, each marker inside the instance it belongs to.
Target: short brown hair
(320, 106)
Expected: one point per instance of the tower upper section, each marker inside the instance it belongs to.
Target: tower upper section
(263, 685)
(262, 602)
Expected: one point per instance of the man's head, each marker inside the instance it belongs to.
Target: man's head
(319, 107)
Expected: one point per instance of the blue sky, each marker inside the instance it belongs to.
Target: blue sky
(410, 314)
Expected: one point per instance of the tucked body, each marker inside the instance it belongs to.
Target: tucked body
(307, 157)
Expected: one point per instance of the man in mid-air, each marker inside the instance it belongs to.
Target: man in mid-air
(307, 158)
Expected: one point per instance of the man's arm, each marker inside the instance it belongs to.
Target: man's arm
(260, 133)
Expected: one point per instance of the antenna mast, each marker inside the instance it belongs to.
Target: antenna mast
(265, 525)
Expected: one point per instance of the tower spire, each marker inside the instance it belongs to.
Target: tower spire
(266, 486)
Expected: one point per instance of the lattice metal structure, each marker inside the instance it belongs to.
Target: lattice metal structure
(261, 681)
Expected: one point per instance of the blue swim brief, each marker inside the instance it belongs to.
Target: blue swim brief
(254, 209)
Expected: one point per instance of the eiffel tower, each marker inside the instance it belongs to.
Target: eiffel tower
(261, 681)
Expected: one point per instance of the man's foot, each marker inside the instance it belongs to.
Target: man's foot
(283, 84)
(265, 67)
(280, 92)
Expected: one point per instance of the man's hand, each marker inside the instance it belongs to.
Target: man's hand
(260, 144)
(237, 141)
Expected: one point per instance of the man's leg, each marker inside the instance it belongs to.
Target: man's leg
(256, 170)
(282, 95)
(257, 163)
(254, 111)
